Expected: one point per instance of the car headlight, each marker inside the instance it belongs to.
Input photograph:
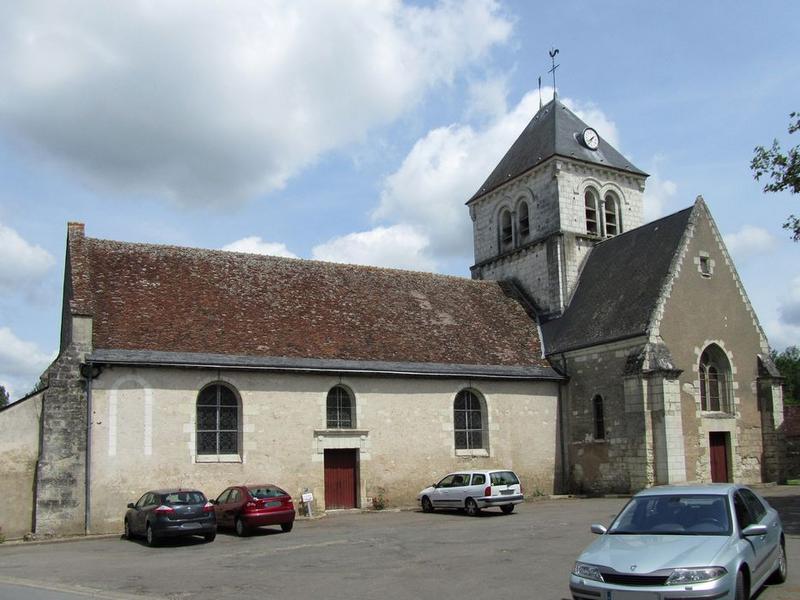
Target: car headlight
(682, 576)
(587, 571)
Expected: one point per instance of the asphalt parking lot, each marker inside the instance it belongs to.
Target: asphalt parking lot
(384, 555)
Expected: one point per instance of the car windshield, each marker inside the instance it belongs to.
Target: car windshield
(184, 498)
(266, 492)
(674, 515)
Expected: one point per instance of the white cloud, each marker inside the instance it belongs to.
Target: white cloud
(22, 265)
(447, 166)
(784, 331)
(659, 196)
(400, 246)
(789, 307)
(210, 103)
(749, 241)
(255, 245)
(21, 363)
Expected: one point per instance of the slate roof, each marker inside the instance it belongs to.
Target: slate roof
(619, 286)
(552, 132)
(167, 304)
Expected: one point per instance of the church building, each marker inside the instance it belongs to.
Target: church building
(588, 352)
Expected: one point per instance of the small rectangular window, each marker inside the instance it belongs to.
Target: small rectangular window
(705, 266)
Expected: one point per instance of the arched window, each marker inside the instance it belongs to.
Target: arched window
(469, 421)
(599, 420)
(506, 230)
(714, 380)
(218, 420)
(592, 224)
(523, 217)
(340, 409)
(611, 215)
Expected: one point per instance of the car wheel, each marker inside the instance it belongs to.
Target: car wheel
(779, 575)
(741, 587)
(127, 534)
(507, 509)
(151, 538)
(210, 537)
(241, 530)
(472, 507)
(427, 505)
(287, 527)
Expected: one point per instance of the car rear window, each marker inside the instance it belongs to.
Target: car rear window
(504, 478)
(184, 498)
(269, 491)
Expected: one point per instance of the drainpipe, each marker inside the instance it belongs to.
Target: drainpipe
(90, 372)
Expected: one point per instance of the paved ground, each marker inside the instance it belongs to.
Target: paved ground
(386, 556)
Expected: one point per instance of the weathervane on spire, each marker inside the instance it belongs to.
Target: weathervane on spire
(553, 52)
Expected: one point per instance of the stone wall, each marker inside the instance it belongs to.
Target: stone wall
(19, 450)
(791, 431)
(143, 434)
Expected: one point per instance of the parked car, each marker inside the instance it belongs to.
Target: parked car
(702, 541)
(169, 513)
(245, 507)
(472, 491)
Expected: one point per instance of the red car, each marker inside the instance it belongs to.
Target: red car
(244, 507)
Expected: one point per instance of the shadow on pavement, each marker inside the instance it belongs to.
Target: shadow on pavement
(788, 506)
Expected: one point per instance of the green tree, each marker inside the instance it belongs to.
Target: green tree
(4, 399)
(788, 363)
(782, 171)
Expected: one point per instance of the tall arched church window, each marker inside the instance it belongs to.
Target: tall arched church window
(599, 418)
(506, 230)
(340, 409)
(611, 215)
(218, 420)
(592, 223)
(715, 376)
(524, 220)
(469, 421)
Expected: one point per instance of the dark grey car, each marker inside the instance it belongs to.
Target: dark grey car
(171, 513)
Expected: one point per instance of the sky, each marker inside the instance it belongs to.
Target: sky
(355, 130)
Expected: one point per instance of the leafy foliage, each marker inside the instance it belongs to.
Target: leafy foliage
(4, 399)
(788, 363)
(782, 171)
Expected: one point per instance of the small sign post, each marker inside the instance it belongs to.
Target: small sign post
(308, 500)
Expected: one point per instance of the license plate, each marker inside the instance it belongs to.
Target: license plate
(272, 503)
(506, 492)
(190, 526)
(626, 595)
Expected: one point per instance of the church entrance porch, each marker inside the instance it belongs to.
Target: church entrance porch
(718, 452)
(341, 478)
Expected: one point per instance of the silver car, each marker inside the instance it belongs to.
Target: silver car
(703, 541)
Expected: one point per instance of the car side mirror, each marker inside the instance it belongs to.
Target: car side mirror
(214, 501)
(131, 505)
(754, 530)
(599, 529)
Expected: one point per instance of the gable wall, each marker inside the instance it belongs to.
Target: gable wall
(698, 311)
(144, 424)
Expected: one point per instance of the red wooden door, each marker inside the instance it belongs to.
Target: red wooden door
(718, 448)
(340, 478)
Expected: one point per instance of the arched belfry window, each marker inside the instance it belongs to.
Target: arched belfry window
(715, 377)
(469, 421)
(611, 215)
(592, 221)
(598, 418)
(506, 230)
(218, 420)
(523, 218)
(340, 407)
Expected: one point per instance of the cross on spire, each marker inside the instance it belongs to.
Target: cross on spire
(553, 52)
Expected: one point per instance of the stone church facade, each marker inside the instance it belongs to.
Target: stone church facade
(589, 352)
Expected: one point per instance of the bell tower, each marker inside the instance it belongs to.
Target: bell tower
(559, 190)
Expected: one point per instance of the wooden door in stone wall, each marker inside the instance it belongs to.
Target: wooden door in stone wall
(341, 478)
(718, 452)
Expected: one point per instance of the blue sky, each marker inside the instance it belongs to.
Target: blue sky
(355, 131)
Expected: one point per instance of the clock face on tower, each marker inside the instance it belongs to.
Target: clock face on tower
(590, 138)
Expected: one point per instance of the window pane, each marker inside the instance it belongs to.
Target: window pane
(206, 418)
(461, 440)
(228, 417)
(228, 442)
(206, 443)
(208, 396)
(227, 397)
(476, 439)
(474, 419)
(460, 403)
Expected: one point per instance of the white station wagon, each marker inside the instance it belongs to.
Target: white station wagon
(472, 491)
